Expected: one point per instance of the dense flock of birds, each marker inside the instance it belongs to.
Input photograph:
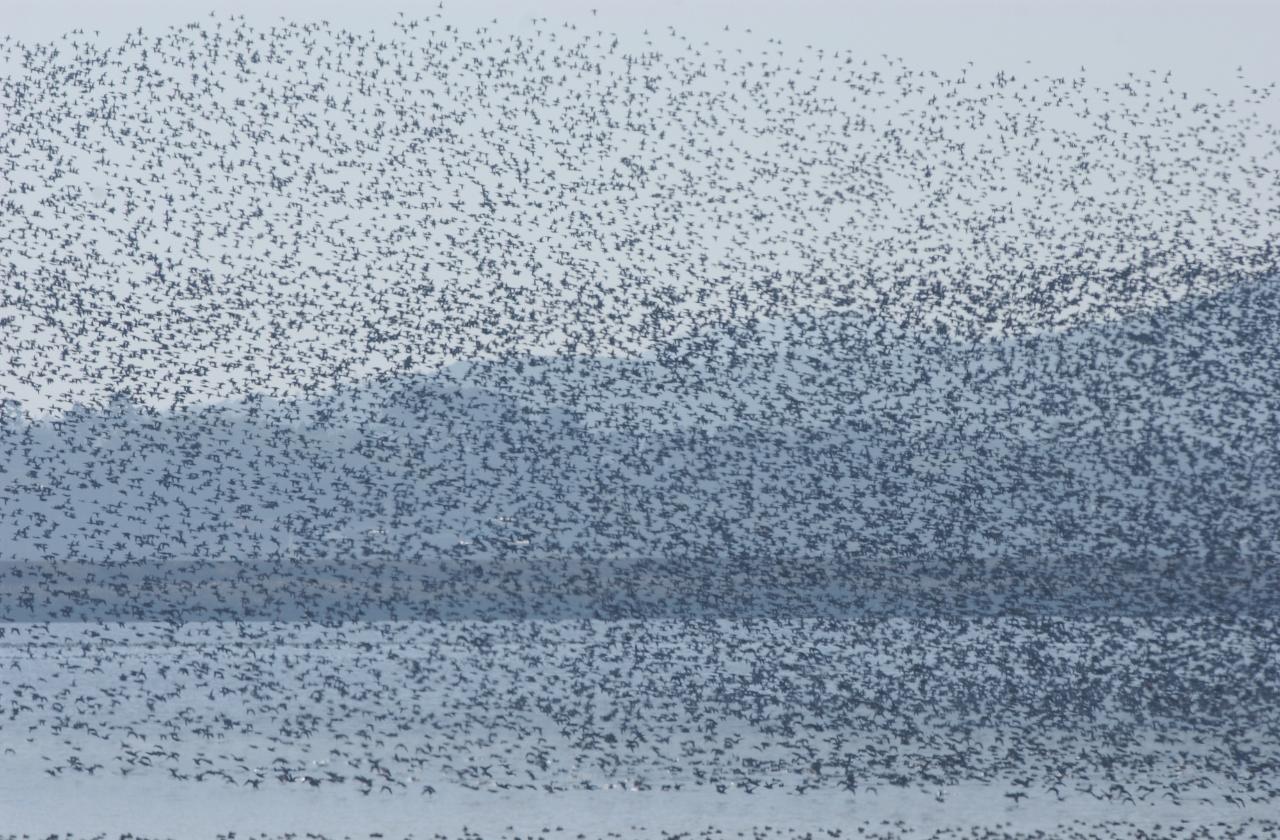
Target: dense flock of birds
(1117, 710)
(879, 830)
(535, 408)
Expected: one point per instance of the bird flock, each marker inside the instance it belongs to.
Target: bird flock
(542, 412)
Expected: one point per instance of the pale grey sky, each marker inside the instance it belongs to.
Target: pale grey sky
(1202, 41)
(1201, 44)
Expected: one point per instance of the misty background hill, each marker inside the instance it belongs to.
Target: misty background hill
(833, 465)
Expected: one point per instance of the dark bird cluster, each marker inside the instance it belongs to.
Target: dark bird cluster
(535, 410)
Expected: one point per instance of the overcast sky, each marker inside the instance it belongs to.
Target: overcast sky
(1202, 41)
